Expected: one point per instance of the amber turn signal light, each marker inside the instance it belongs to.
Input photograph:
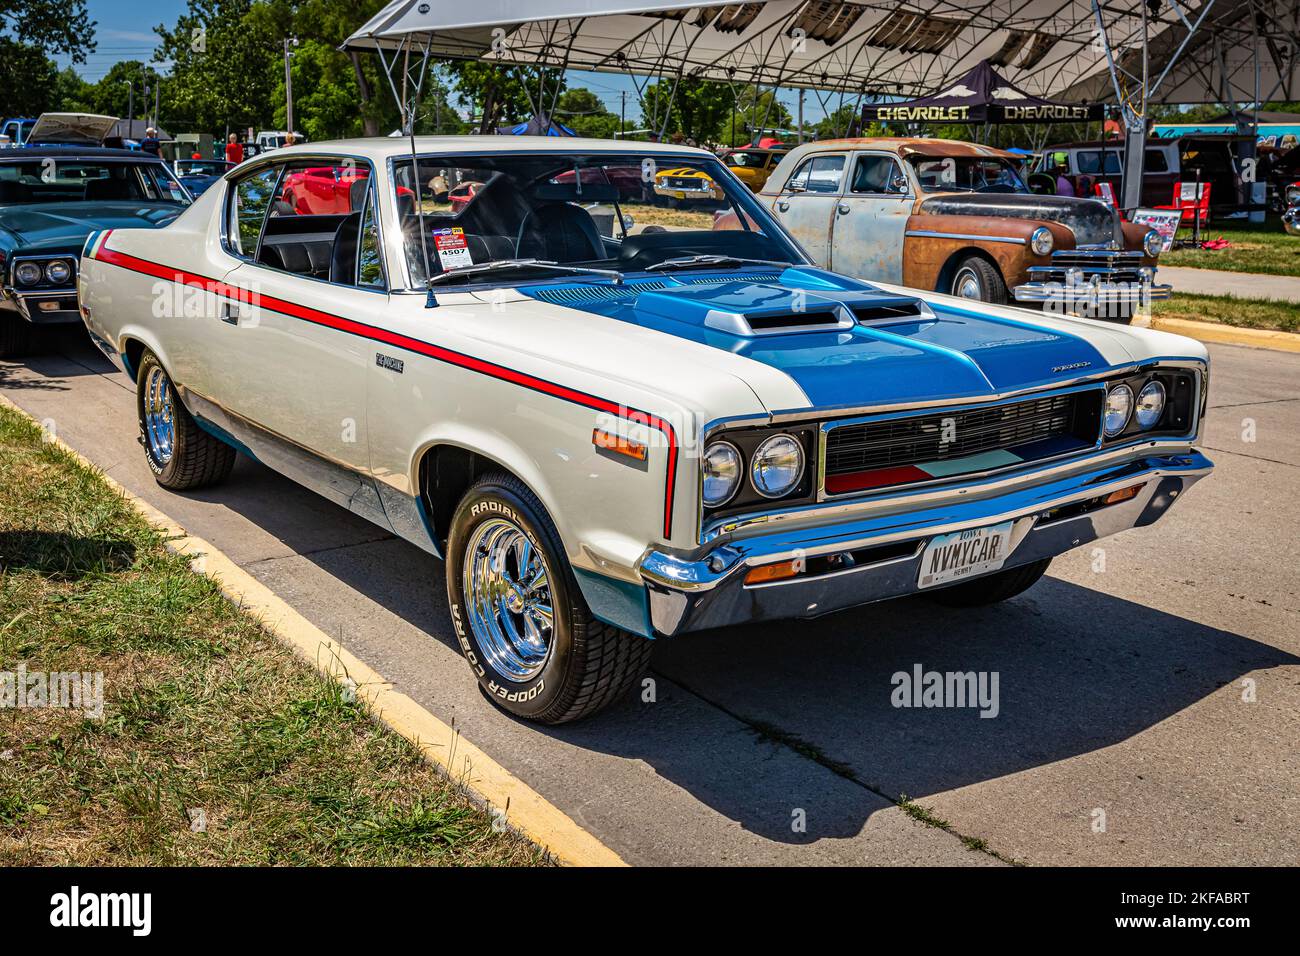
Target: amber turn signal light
(1124, 494)
(618, 444)
(774, 572)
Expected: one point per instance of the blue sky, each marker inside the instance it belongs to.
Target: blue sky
(124, 31)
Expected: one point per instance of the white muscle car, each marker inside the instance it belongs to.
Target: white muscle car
(614, 433)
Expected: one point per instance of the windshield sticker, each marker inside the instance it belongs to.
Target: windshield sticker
(453, 250)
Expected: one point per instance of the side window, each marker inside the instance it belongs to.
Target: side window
(821, 174)
(1156, 162)
(1088, 161)
(881, 174)
(250, 199)
(370, 267)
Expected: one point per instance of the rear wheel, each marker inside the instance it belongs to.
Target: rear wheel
(976, 278)
(181, 455)
(522, 623)
(991, 588)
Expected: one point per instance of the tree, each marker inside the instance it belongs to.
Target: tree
(224, 66)
(31, 31)
(49, 26)
(583, 112)
(498, 94)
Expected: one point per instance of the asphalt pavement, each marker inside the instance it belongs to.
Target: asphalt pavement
(1148, 707)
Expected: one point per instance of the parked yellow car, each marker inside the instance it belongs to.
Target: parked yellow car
(686, 184)
(753, 166)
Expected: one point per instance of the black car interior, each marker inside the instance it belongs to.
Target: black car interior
(515, 214)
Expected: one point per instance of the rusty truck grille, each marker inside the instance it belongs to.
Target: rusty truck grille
(910, 449)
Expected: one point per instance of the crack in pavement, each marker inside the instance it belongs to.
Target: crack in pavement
(808, 751)
(1267, 401)
(1242, 454)
(307, 554)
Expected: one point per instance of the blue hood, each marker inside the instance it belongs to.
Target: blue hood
(857, 345)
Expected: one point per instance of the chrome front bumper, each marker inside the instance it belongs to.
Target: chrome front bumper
(708, 589)
(1092, 293)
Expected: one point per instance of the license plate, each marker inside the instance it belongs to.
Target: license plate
(964, 554)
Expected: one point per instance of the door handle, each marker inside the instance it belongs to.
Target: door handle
(843, 209)
(229, 313)
(783, 206)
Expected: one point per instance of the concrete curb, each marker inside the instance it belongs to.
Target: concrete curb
(505, 795)
(1229, 334)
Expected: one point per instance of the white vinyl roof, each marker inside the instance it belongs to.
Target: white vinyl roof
(1046, 47)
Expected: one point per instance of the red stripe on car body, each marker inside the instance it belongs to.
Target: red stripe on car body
(125, 261)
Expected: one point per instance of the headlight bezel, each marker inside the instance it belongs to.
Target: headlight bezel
(1041, 241)
(790, 486)
(746, 440)
(1185, 395)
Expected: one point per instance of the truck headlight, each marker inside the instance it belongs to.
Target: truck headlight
(1150, 404)
(1153, 243)
(27, 273)
(1040, 241)
(777, 466)
(721, 466)
(1119, 405)
(58, 272)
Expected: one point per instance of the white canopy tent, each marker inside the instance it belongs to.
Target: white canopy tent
(1045, 47)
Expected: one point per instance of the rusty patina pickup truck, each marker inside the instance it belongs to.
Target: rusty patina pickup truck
(957, 218)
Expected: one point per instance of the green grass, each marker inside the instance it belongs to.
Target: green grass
(203, 710)
(1229, 310)
(1263, 248)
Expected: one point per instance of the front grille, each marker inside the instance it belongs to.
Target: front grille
(894, 451)
(1112, 266)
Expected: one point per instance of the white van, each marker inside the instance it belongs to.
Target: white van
(273, 139)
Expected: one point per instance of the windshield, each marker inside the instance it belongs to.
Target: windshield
(617, 213)
(55, 179)
(747, 160)
(971, 174)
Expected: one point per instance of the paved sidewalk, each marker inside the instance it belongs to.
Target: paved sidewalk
(1244, 285)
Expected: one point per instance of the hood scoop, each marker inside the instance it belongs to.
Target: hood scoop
(869, 313)
(747, 309)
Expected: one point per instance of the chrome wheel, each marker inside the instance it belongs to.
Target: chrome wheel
(508, 593)
(159, 426)
(967, 285)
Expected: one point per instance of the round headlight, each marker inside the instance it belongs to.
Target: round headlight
(58, 272)
(27, 273)
(1150, 404)
(1292, 194)
(1152, 243)
(777, 466)
(722, 467)
(1040, 240)
(1119, 405)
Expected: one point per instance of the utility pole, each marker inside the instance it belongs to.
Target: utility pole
(157, 94)
(130, 108)
(622, 112)
(288, 84)
(801, 93)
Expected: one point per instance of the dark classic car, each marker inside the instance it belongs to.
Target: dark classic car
(199, 174)
(51, 199)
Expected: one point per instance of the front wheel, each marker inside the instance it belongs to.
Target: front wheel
(181, 455)
(991, 588)
(976, 278)
(520, 619)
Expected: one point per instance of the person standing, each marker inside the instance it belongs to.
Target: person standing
(234, 150)
(151, 143)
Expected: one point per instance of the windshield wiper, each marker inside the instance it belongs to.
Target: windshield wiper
(692, 262)
(503, 264)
